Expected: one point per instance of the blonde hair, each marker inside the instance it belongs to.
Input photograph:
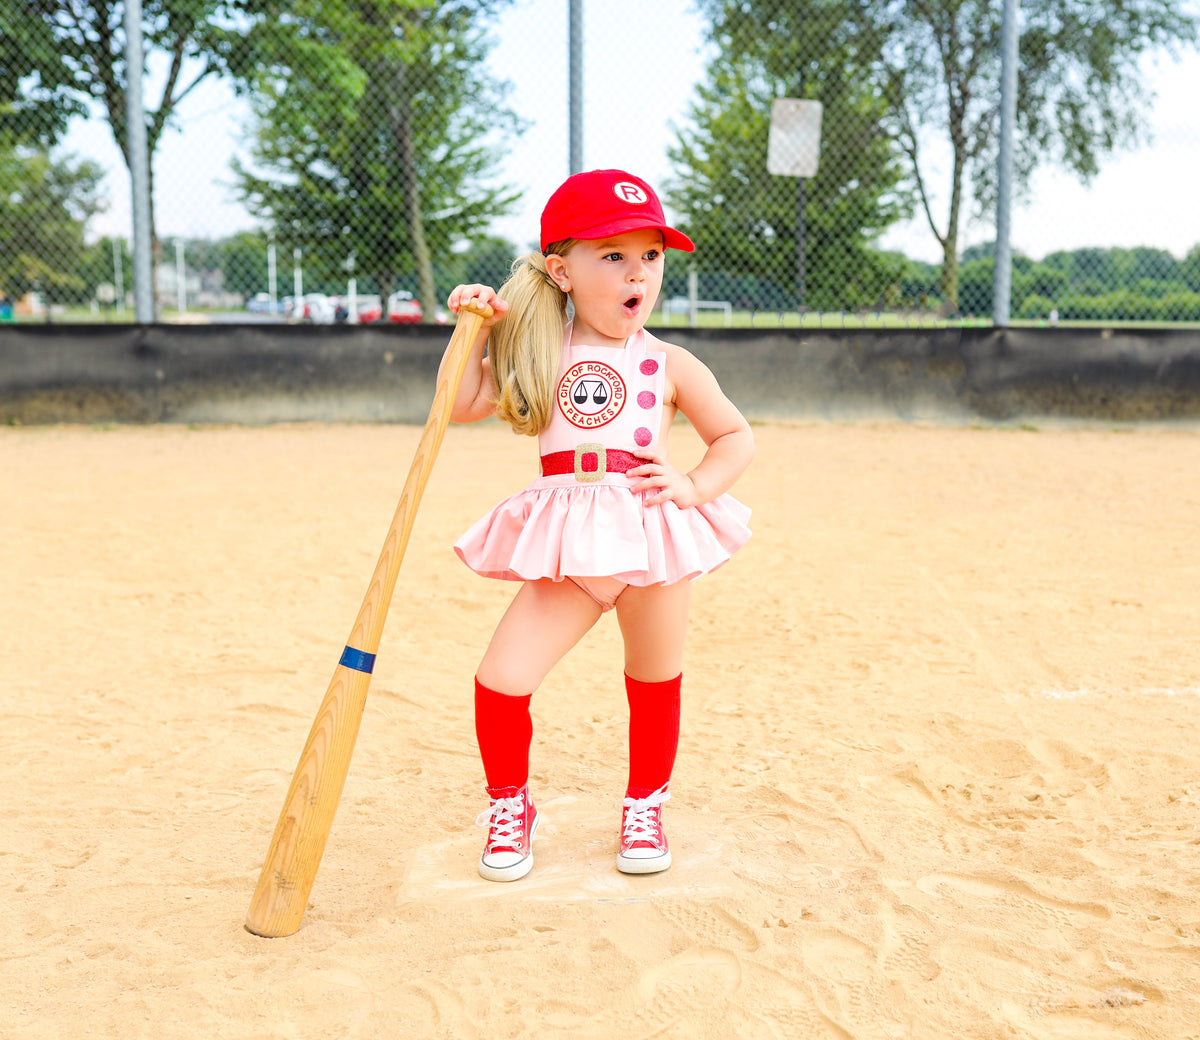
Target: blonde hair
(526, 344)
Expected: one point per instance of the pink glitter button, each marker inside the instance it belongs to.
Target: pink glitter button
(648, 367)
(646, 399)
(642, 436)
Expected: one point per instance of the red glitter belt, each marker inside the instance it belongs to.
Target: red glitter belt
(589, 462)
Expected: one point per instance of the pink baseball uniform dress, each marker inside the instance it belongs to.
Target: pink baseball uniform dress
(580, 518)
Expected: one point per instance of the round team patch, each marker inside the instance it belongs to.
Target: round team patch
(630, 193)
(591, 394)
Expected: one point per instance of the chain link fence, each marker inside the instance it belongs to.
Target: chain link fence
(352, 161)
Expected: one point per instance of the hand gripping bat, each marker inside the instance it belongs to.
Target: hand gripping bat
(281, 897)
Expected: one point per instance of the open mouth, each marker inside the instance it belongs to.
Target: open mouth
(631, 305)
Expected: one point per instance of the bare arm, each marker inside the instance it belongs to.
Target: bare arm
(720, 425)
(476, 397)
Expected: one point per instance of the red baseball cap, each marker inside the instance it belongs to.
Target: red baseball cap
(606, 202)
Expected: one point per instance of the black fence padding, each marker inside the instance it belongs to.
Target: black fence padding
(257, 373)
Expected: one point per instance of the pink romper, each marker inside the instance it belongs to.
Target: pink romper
(580, 518)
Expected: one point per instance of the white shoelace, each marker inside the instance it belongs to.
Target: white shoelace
(504, 817)
(641, 822)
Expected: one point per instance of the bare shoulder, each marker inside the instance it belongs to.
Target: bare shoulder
(683, 367)
(670, 349)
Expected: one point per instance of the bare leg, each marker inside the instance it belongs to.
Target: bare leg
(653, 623)
(545, 619)
(543, 622)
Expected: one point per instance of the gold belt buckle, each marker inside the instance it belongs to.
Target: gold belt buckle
(586, 477)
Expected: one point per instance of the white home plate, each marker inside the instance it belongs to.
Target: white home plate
(574, 856)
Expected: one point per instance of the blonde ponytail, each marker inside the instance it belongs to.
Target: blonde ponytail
(526, 345)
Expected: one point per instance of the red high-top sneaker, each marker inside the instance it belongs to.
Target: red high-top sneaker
(644, 848)
(511, 821)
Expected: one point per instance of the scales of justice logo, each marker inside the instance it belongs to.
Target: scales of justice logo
(591, 394)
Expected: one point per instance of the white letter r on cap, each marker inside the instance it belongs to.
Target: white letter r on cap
(629, 193)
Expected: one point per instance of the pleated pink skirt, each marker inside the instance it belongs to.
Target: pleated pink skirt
(555, 529)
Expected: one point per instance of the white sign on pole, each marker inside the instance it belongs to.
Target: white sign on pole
(794, 141)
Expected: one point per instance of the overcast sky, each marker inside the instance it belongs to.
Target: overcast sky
(642, 60)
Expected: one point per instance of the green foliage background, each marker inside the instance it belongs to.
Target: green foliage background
(377, 135)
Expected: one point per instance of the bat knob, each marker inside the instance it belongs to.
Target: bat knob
(475, 307)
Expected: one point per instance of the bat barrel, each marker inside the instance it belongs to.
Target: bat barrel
(285, 882)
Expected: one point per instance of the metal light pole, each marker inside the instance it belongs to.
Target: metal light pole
(118, 275)
(298, 286)
(139, 166)
(575, 85)
(180, 276)
(351, 291)
(801, 221)
(793, 150)
(800, 244)
(271, 273)
(1002, 284)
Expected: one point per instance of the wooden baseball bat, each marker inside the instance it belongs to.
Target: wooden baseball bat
(291, 866)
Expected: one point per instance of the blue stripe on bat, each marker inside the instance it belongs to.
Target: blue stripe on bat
(359, 660)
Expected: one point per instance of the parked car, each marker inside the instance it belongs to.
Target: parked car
(316, 308)
(403, 309)
(368, 306)
(260, 303)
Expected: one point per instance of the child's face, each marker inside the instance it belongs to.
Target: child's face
(614, 282)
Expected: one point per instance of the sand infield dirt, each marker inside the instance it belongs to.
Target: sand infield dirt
(939, 773)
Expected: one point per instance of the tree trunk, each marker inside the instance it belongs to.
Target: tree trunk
(949, 282)
(386, 281)
(401, 119)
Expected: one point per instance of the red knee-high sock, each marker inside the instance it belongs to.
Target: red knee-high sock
(504, 730)
(653, 733)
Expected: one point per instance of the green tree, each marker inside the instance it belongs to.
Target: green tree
(78, 51)
(486, 261)
(45, 204)
(1189, 270)
(368, 145)
(744, 220)
(926, 74)
(1080, 89)
(240, 259)
(1030, 279)
(37, 93)
(99, 265)
(1039, 280)
(1155, 264)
